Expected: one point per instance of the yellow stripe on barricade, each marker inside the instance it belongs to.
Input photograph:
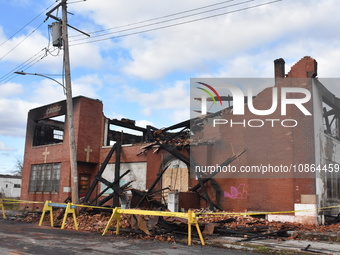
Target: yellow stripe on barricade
(2, 209)
(70, 208)
(190, 216)
(116, 212)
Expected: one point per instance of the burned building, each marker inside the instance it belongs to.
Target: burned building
(157, 161)
(292, 155)
(46, 171)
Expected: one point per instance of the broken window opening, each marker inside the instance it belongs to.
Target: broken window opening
(331, 121)
(49, 131)
(124, 130)
(333, 184)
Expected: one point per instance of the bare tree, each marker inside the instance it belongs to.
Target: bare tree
(19, 164)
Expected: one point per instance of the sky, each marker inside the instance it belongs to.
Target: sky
(141, 55)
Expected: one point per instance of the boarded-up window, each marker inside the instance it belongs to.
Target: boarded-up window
(176, 177)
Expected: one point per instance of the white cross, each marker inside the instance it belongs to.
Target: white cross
(88, 150)
(45, 153)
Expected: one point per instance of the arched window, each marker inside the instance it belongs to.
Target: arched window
(176, 177)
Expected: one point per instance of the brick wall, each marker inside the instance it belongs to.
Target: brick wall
(268, 145)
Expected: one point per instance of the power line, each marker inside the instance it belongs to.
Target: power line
(25, 25)
(25, 65)
(173, 25)
(153, 19)
(21, 41)
(38, 57)
(168, 20)
(32, 60)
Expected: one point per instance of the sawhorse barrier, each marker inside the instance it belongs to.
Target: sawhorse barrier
(69, 208)
(190, 216)
(2, 209)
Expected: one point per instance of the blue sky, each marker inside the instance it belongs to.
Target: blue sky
(146, 76)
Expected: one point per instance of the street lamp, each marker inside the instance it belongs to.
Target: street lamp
(42, 75)
(72, 143)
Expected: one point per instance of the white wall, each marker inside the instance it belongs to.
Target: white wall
(327, 150)
(137, 174)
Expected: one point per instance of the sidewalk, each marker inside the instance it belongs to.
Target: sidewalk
(265, 245)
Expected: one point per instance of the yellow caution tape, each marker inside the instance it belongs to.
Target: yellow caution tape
(170, 214)
(190, 216)
(261, 213)
(20, 201)
(116, 212)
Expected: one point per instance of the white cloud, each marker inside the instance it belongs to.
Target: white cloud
(10, 89)
(181, 115)
(85, 55)
(24, 47)
(13, 115)
(46, 92)
(215, 41)
(4, 147)
(166, 98)
(87, 85)
(143, 123)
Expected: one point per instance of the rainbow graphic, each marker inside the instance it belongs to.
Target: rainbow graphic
(209, 93)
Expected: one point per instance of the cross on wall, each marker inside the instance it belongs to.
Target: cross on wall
(88, 150)
(45, 153)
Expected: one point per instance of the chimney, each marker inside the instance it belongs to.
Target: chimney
(279, 68)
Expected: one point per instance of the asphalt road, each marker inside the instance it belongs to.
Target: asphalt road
(17, 238)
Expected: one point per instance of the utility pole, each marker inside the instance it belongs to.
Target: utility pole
(69, 103)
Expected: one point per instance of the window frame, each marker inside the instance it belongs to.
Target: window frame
(45, 178)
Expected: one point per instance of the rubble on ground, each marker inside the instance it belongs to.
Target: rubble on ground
(170, 229)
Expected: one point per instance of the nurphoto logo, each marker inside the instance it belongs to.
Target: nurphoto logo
(281, 97)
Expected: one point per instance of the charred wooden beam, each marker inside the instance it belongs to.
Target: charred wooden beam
(117, 174)
(100, 172)
(126, 125)
(225, 163)
(328, 126)
(106, 189)
(125, 138)
(139, 193)
(185, 124)
(173, 150)
(111, 185)
(152, 186)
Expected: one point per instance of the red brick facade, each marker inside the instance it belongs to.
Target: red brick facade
(89, 126)
(270, 145)
(267, 146)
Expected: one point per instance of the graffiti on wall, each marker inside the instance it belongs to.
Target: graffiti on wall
(237, 193)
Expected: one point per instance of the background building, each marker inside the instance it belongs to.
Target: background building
(10, 186)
